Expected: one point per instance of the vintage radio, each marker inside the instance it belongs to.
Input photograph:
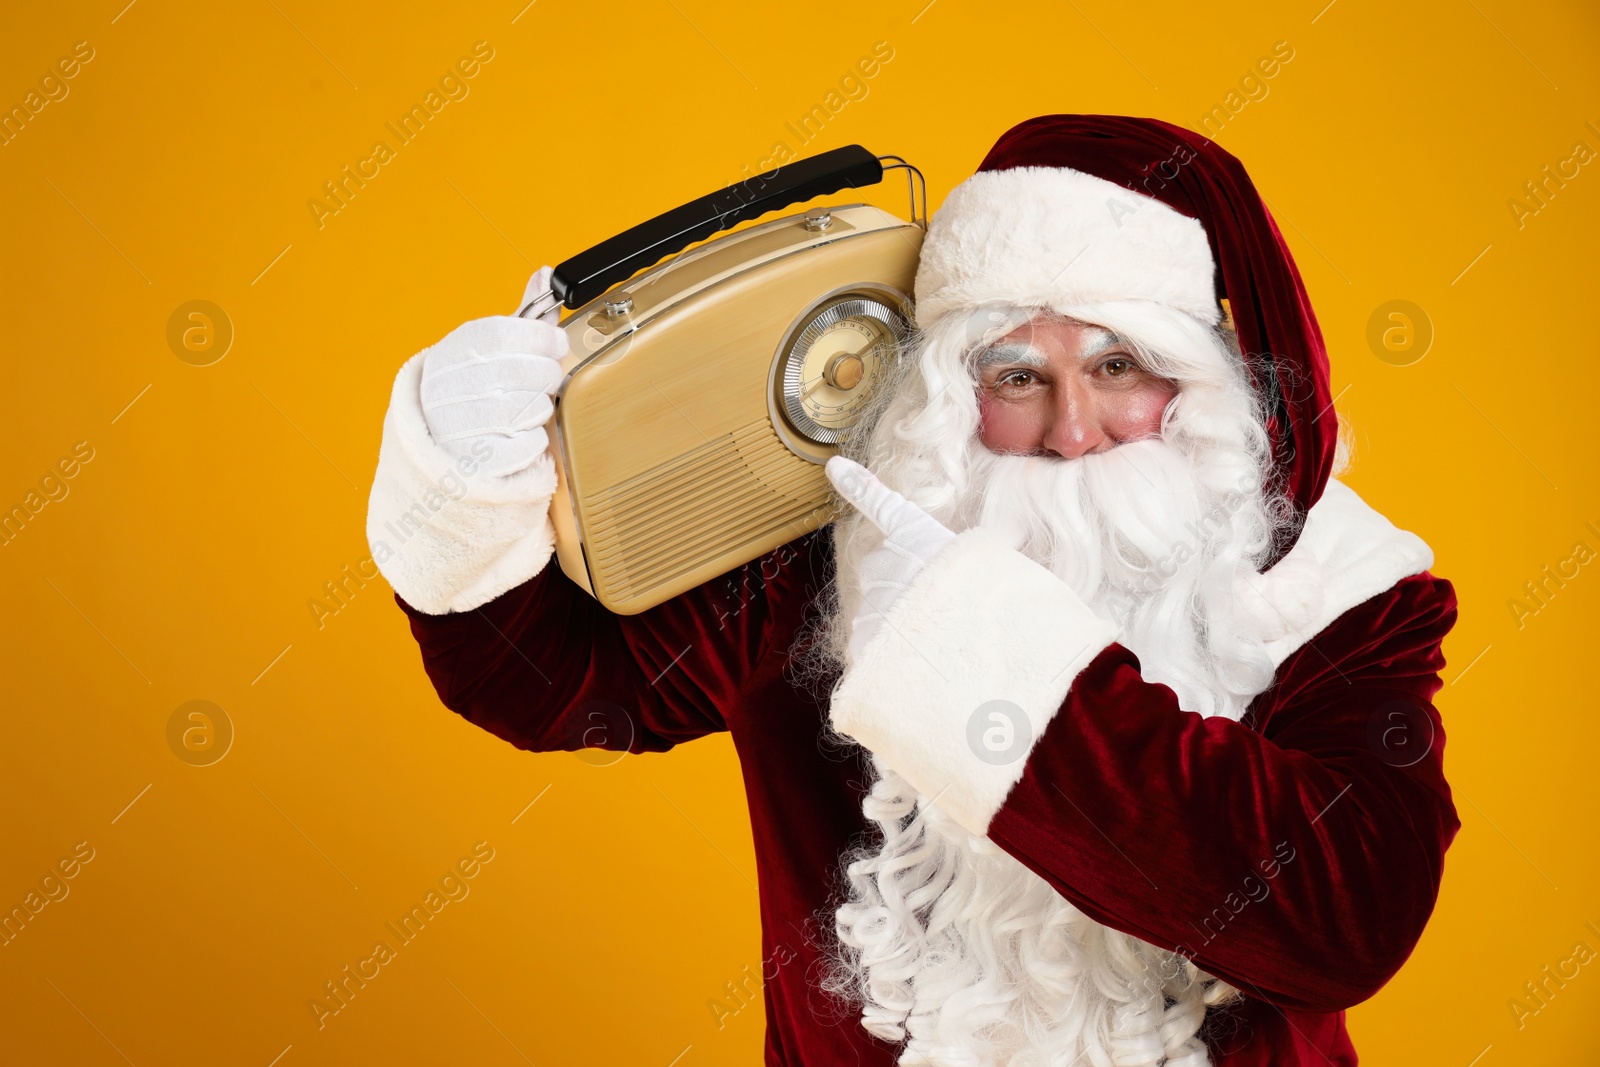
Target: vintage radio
(702, 396)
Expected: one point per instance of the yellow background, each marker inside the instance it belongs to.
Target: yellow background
(618, 905)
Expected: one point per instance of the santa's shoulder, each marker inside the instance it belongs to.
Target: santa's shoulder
(1347, 554)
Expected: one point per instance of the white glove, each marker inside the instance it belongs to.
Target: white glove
(460, 502)
(912, 538)
(490, 382)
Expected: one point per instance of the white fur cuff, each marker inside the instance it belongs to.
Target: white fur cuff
(972, 662)
(447, 536)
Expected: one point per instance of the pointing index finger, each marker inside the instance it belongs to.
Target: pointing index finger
(886, 509)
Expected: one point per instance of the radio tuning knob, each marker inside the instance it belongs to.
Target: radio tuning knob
(844, 371)
(830, 360)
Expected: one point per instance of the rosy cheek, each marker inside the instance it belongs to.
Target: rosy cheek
(1006, 427)
(1141, 415)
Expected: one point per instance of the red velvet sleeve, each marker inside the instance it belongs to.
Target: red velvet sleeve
(1296, 855)
(546, 667)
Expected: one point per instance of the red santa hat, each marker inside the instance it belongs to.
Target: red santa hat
(1069, 210)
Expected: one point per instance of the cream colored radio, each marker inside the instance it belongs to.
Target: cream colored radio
(702, 396)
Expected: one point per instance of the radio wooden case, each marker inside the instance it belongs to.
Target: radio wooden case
(702, 397)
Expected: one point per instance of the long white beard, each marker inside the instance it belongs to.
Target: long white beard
(1147, 541)
(973, 960)
(951, 944)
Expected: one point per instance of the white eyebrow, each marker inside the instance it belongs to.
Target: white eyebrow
(1107, 339)
(1011, 352)
(1023, 354)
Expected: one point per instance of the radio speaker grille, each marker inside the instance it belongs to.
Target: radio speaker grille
(741, 488)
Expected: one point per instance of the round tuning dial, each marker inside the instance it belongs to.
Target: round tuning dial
(834, 360)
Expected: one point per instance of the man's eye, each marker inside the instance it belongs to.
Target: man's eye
(1117, 366)
(1016, 378)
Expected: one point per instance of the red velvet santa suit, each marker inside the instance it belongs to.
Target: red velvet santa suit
(1296, 854)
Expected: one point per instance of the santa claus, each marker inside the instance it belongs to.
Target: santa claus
(1099, 730)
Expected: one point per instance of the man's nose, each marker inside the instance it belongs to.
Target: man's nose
(1074, 428)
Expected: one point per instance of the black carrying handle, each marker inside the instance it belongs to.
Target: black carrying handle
(588, 274)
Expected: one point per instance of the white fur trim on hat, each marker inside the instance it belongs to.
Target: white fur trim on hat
(1056, 237)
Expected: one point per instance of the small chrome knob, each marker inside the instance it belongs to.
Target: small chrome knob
(844, 371)
(818, 219)
(618, 306)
